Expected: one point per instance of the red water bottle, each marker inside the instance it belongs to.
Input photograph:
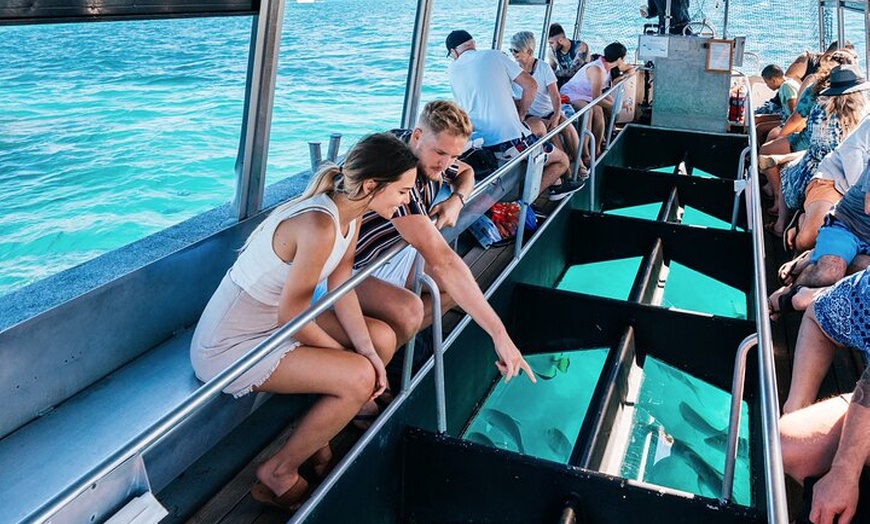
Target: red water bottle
(741, 103)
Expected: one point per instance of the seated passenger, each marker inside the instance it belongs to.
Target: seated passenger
(809, 62)
(842, 240)
(481, 84)
(439, 137)
(545, 113)
(341, 355)
(839, 318)
(829, 440)
(589, 83)
(786, 89)
(793, 136)
(837, 172)
(829, 123)
(567, 56)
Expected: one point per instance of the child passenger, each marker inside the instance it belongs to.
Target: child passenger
(341, 355)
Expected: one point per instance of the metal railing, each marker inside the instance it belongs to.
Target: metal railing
(777, 509)
(734, 419)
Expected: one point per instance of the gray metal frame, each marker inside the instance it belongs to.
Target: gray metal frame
(414, 84)
(66, 11)
(259, 102)
(500, 19)
(841, 6)
(777, 508)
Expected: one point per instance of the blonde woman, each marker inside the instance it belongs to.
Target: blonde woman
(341, 355)
(545, 113)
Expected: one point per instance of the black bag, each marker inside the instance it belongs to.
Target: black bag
(482, 160)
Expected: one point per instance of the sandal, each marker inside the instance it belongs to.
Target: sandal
(787, 273)
(364, 419)
(784, 302)
(289, 501)
(790, 233)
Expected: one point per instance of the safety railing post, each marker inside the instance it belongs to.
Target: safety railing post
(438, 352)
(739, 186)
(408, 364)
(617, 104)
(737, 384)
(531, 188)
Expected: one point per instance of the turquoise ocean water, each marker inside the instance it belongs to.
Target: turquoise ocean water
(112, 131)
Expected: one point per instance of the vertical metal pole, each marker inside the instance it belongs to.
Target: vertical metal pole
(314, 156)
(408, 364)
(438, 350)
(617, 105)
(548, 15)
(841, 24)
(725, 20)
(259, 100)
(737, 382)
(500, 18)
(866, 36)
(578, 22)
(668, 17)
(334, 143)
(822, 35)
(416, 64)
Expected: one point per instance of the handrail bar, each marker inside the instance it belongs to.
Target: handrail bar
(737, 383)
(777, 508)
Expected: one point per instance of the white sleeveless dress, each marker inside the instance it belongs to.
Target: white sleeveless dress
(244, 309)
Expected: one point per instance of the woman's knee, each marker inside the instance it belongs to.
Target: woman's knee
(360, 382)
(383, 338)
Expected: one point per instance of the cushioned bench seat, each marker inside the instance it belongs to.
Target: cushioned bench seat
(45, 456)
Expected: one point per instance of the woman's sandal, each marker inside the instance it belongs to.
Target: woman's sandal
(289, 501)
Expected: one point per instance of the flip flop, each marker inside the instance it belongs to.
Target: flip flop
(289, 501)
(786, 272)
(771, 228)
(790, 232)
(784, 303)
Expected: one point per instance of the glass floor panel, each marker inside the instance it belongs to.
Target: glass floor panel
(678, 437)
(610, 279)
(694, 291)
(644, 211)
(543, 419)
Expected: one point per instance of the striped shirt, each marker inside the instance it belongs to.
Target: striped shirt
(377, 234)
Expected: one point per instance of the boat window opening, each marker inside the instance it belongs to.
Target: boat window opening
(110, 141)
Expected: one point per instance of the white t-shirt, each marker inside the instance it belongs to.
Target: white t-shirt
(544, 76)
(845, 164)
(580, 87)
(481, 84)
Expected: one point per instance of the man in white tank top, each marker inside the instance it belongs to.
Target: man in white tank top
(481, 82)
(588, 84)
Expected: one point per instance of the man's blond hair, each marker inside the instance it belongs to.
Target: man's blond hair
(444, 115)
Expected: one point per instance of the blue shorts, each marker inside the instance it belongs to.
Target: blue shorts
(843, 312)
(837, 240)
(799, 141)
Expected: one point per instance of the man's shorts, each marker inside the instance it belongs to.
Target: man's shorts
(837, 240)
(821, 190)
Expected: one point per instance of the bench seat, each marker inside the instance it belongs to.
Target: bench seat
(42, 458)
